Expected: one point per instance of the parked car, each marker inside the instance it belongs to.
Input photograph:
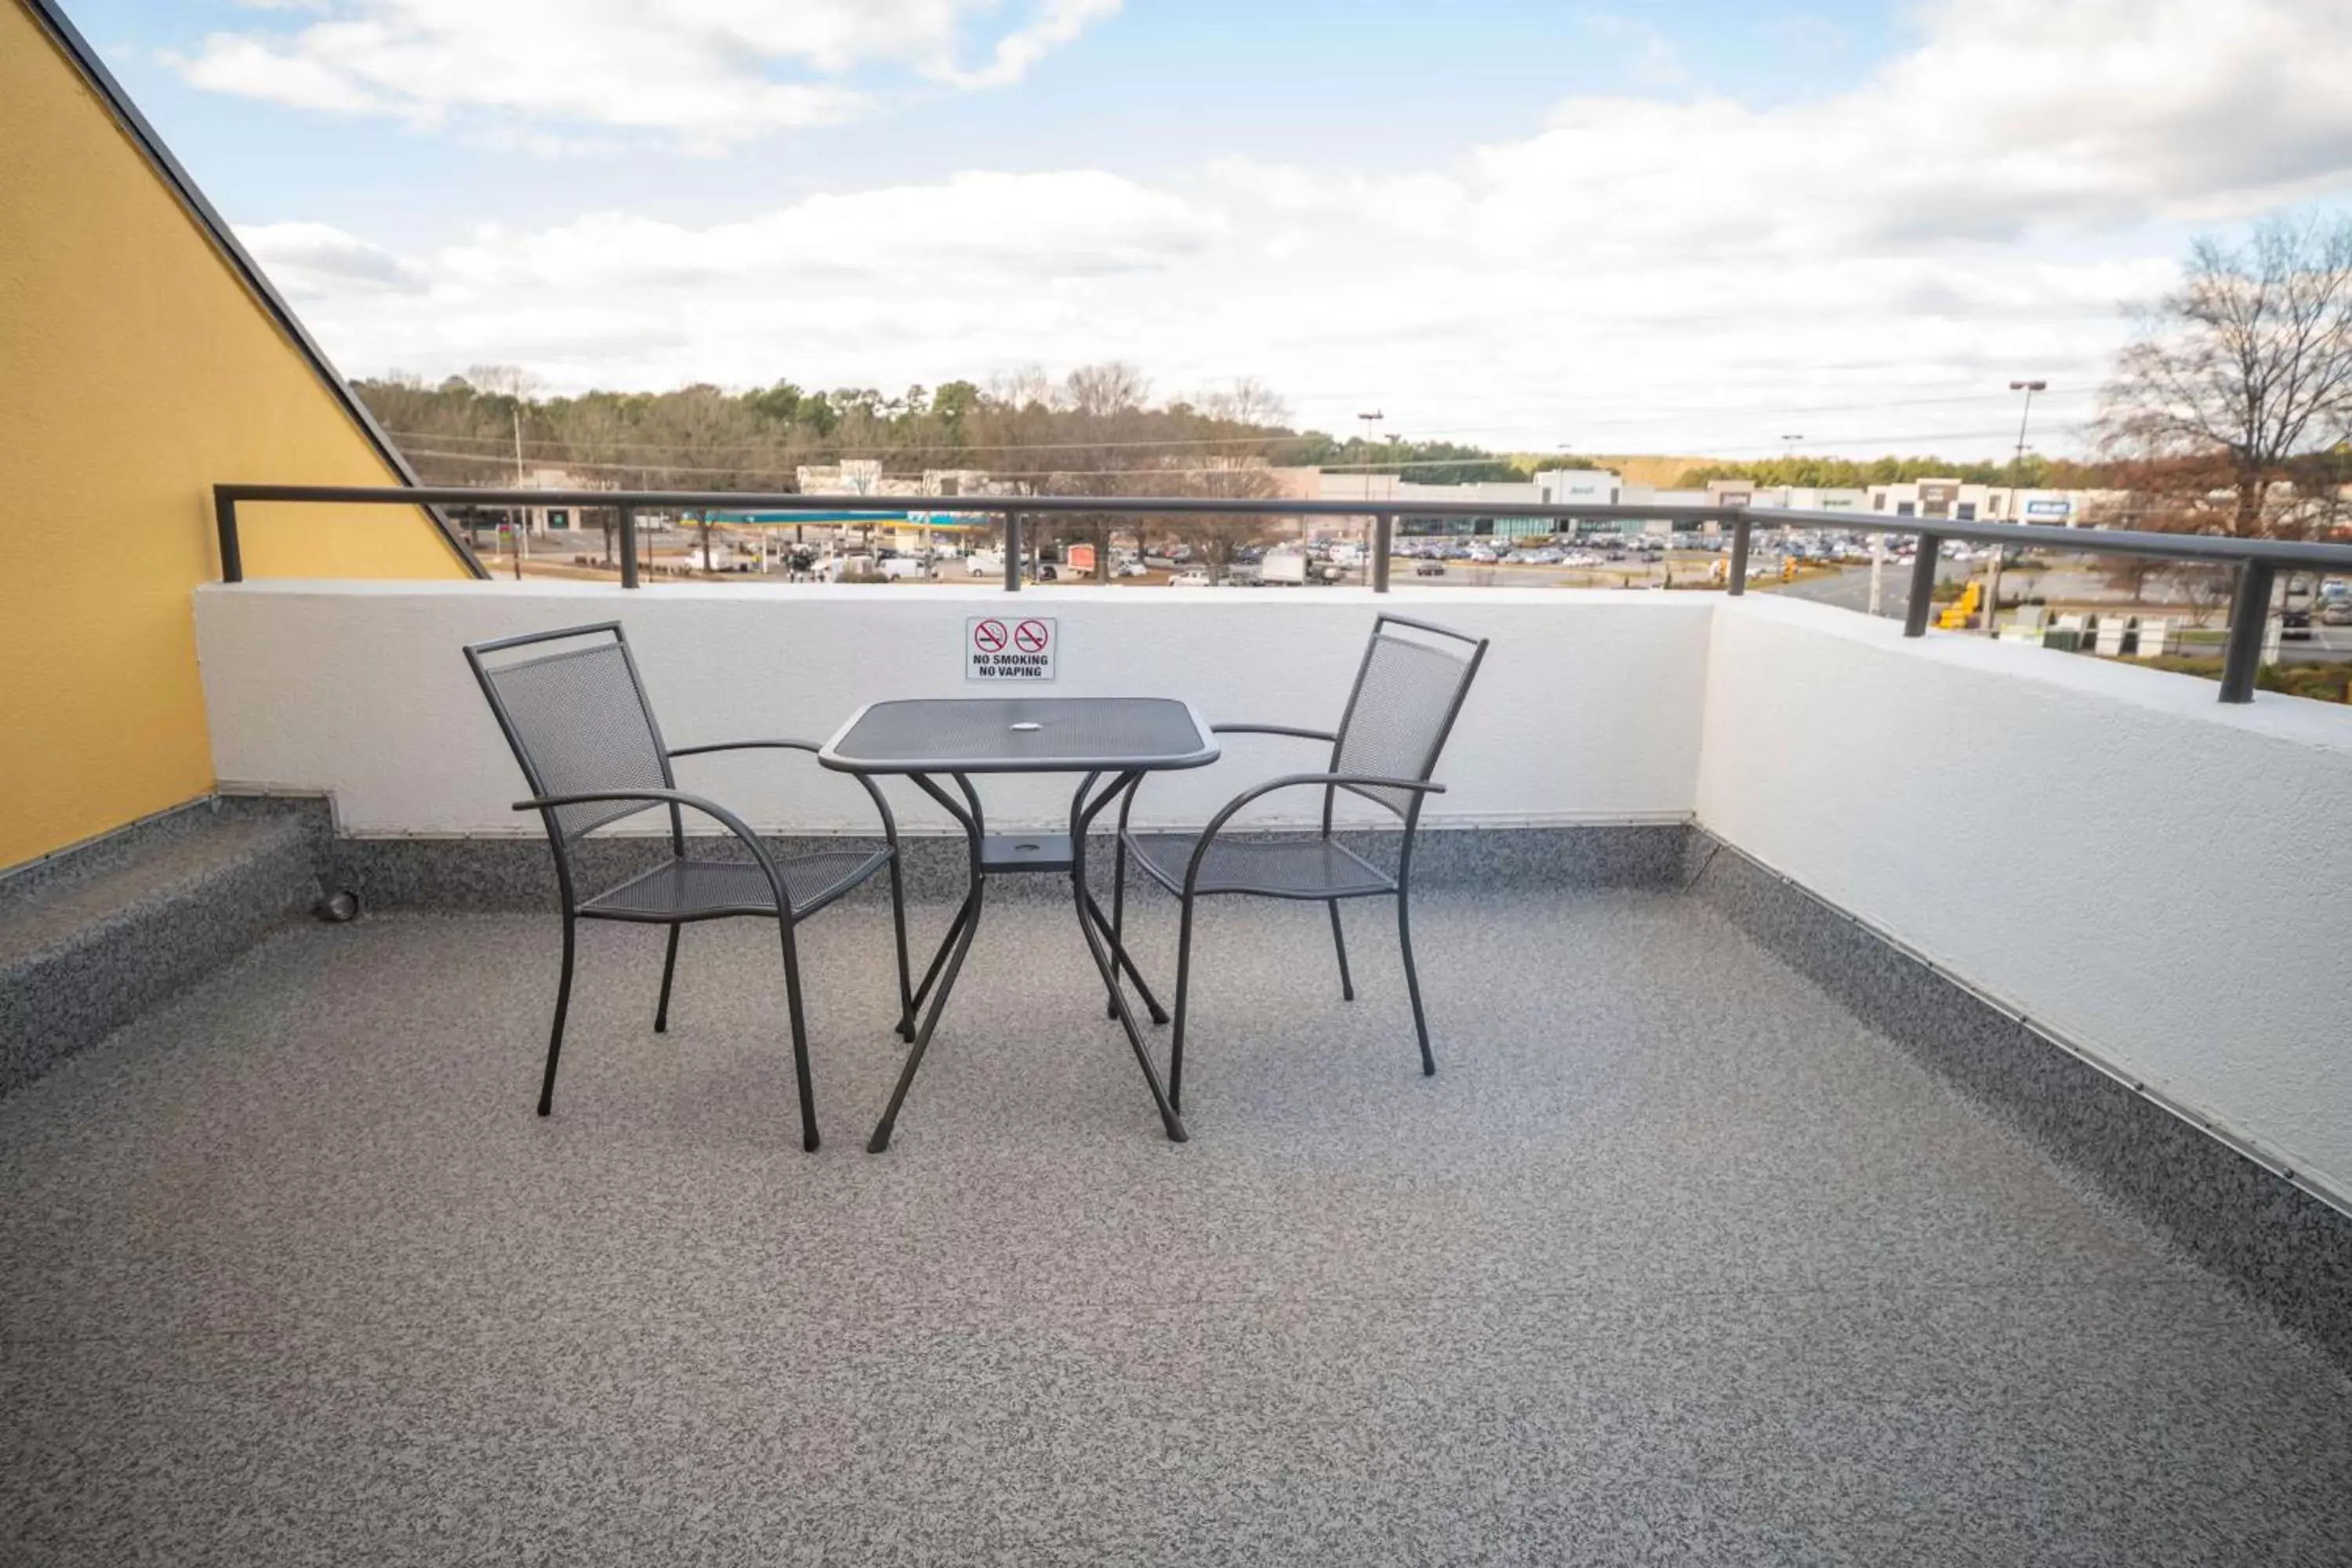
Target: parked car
(2335, 611)
(1131, 569)
(1189, 580)
(2295, 626)
(1429, 568)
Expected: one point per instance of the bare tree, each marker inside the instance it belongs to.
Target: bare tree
(592, 433)
(1102, 408)
(1218, 535)
(1248, 402)
(2238, 378)
(1102, 391)
(704, 441)
(2204, 588)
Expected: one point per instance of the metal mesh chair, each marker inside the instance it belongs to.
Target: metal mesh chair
(571, 705)
(1407, 691)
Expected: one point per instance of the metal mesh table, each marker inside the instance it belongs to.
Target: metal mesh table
(927, 739)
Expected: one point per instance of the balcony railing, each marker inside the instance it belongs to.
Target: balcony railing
(2256, 561)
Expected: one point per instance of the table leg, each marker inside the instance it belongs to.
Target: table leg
(1109, 927)
(946, 962)
(1106, 958)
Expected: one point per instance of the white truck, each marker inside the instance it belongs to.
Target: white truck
(1296, 569)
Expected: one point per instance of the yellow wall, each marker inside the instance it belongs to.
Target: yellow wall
(135, 370)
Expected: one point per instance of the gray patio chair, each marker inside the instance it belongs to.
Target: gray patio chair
(1407, 691)
(585, 735)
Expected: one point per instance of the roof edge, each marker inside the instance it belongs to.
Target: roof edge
(75, 48)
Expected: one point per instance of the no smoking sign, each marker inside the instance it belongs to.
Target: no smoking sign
(1010, 647)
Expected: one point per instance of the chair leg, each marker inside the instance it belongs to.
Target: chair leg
(1412, 982)
(669, 967)
(1183, 989)
(800, 1040)
(1339, 942)
(1118, 908)
(899, 929)
(555, 1035)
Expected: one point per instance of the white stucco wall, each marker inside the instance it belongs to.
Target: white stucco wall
(2109, 850)
(1587, 709)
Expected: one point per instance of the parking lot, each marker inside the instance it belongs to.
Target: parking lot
(1830, 569)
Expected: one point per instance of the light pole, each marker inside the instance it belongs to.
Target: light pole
(2017, 464)
(1788, 492)
(2016, 507)
(1371, 422)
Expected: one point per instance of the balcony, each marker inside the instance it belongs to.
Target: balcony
(1891, 1107)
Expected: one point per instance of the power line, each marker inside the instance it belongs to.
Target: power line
(1442, 433)
(1166, 471)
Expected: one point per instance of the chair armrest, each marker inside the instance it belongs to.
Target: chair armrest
(1293, 780)
(873, 791)
(1290, 730)
(709, 808)
(809, 746)
(1293, 730)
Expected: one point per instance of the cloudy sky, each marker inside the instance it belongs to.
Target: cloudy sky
(1686, 227)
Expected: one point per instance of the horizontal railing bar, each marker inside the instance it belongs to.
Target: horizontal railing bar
(881, 506)
(2217, 548)
(2213, 547)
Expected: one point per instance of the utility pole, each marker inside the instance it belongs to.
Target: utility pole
(521, 514)
(2016, 507)
(1789, 445)
(2017, 464)
(1372, 528)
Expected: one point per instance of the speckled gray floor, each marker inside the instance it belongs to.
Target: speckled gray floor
(1674, 1262)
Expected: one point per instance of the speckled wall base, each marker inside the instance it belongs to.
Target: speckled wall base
(504, 874)
(93, 936)
(2289, 1250)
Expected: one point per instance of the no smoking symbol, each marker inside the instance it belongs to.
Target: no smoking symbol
(989, 635)
(1029, 636)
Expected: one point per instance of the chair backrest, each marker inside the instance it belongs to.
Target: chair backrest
(577, 719)
(1408, 689)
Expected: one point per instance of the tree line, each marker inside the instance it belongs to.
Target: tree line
(2034, 472)
(1097, 430)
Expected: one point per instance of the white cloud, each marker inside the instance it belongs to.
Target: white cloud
(1636, 274)
(318, 261)
(709, 73)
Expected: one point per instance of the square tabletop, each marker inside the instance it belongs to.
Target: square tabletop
(1021, 734)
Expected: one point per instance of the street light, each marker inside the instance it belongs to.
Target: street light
(2016, 507)
(1788, 455)
(2017, 464)
(1371, 429)
(1372, 528)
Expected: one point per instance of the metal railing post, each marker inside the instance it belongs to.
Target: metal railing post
(1013, 552)
(232, 554)
(2250, 620)
(1923, 587)
(628, 546)
(1383, 536)
(1741, 530)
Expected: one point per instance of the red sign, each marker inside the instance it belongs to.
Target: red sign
(988, 636)
(1029, 636)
